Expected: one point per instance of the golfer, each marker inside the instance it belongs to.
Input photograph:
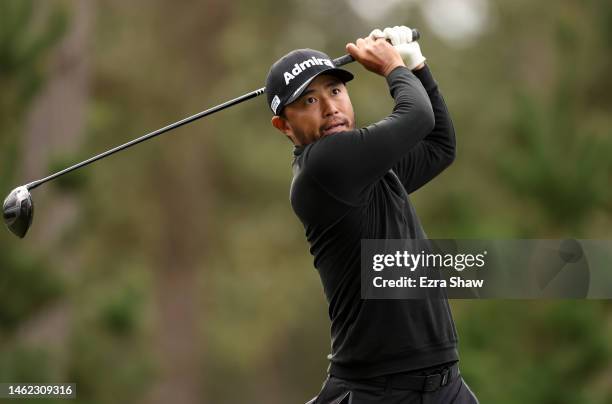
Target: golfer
(353, 183)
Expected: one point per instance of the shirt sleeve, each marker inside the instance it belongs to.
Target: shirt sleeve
(347, 164)
(436, 151)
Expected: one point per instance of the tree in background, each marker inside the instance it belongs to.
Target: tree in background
(561, 156)
(27, 37)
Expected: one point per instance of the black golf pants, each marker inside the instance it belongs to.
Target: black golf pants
(342, 391)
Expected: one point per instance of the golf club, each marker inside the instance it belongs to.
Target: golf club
(18, 208)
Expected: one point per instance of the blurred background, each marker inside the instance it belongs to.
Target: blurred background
(177, 272)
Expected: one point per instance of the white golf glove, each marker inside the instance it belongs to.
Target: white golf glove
(401, 39)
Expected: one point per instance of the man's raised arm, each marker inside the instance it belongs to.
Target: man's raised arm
(430, 156)
(347, 163)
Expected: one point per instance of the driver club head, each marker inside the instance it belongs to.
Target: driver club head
(18, 211)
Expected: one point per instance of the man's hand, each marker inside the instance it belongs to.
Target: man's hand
(376, 55)
(401, 39)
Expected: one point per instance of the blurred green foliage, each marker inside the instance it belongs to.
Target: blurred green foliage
(73, 182)
(530, 100)
(23, 47)
(26, 285)
(27, 281)
(551, 352)
(555, 162)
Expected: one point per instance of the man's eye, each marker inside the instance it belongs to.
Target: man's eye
(335, 91)
(310, 100)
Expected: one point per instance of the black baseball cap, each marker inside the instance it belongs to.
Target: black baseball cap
(290, 76)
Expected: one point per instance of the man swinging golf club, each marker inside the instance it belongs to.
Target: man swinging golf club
(352, 183)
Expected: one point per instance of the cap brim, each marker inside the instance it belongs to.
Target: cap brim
(342, 74)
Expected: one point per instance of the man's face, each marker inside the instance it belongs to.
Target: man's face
(323, 109)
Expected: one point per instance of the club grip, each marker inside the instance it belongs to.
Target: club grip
(346, 59)
(343, 60)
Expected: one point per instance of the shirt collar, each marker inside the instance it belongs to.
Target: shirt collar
(297, 150)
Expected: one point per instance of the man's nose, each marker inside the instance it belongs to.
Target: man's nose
(329, 107)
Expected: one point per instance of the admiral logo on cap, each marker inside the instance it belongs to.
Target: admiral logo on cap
(290, 75)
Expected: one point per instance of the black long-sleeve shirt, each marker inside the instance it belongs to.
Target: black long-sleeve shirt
(354, 185)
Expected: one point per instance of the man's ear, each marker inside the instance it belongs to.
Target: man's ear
(283, 125)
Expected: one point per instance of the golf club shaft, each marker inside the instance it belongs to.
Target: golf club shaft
(174, 125)
(341, 61)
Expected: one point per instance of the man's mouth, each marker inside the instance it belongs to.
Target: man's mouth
(335, 127)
